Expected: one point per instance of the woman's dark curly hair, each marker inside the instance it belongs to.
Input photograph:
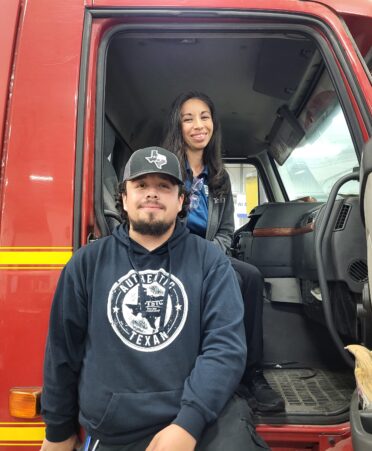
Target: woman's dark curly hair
(218, 181)
(122, 189)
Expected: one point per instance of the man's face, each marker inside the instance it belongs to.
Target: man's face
(152, 202)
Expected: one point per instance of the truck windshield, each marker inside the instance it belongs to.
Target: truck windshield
(320, 159)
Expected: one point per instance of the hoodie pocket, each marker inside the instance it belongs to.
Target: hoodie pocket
(127, 412)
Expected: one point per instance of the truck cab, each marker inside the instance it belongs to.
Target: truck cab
(84, 83)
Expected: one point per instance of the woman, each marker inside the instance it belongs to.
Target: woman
(194, 134)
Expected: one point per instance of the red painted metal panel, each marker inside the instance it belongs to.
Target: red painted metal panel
(358, 7)
(361, 30)
(8, 33)
(38, 182)
(38, 188)
(25, 297)
(299, 437)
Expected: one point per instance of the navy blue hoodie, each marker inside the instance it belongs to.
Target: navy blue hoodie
(138, 340)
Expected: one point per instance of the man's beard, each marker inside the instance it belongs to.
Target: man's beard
(150, 227)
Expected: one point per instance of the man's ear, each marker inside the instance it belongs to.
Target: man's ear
(124, 199)
(180, 199)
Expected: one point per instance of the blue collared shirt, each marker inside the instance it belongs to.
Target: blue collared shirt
(197, 218)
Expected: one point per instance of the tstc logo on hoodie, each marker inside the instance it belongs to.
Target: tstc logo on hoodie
(149, 322)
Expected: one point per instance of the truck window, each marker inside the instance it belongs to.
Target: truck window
(325, 153)
(247, 188)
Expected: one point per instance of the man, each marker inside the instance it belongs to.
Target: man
(143, 350)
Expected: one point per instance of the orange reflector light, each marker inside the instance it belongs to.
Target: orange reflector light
(24, 402)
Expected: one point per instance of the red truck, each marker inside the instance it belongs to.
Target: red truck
(83, 83)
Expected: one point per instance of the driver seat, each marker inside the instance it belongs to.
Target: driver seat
(110, 180)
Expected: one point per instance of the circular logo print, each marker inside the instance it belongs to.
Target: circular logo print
(142, 318)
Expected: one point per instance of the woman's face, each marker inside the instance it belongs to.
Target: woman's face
(196, 124)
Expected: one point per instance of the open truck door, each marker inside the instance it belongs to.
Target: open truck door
(361, 420)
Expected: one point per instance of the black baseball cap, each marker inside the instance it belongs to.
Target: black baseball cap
(153, 160)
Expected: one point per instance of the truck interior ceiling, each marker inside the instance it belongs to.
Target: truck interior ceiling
(283, 112)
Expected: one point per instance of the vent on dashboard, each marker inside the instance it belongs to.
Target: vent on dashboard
(358, 271)
(342, 217)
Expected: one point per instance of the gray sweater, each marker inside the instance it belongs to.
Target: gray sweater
(220, 226)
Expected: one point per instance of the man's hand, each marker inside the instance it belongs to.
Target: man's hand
(172, 438)
(67, 445)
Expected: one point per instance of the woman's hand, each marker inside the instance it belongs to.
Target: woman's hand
(172, 438)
